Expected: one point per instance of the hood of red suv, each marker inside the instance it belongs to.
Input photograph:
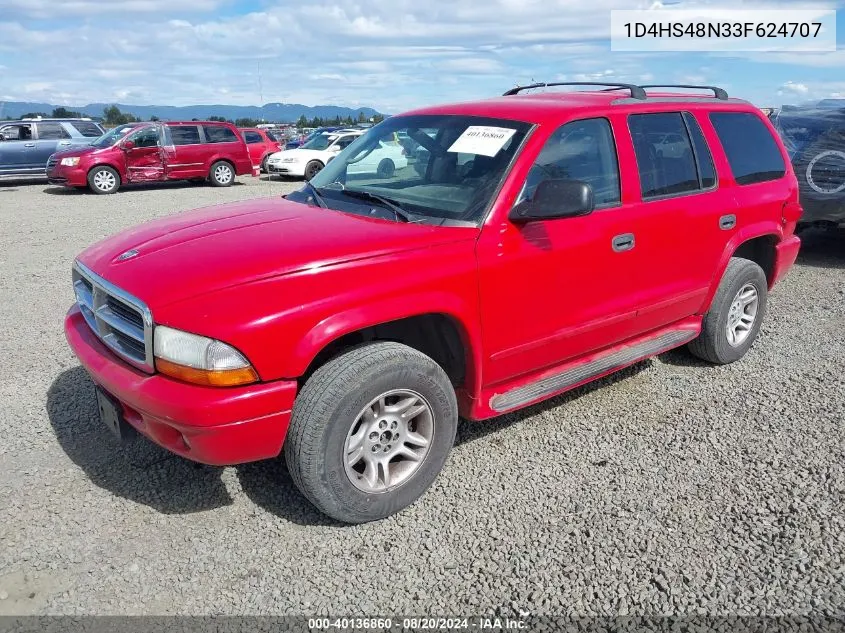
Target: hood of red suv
(202, 251)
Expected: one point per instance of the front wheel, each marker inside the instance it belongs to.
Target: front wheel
(312, 169)
(222, 174)
(735, 316)
(370, 431)
(103, 180)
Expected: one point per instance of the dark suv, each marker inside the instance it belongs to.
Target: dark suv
(26, 145)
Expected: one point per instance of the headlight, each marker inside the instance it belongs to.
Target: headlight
(200, 360)
(72, 161)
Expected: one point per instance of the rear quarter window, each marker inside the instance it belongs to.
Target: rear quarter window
(219, 134)
(752, 152)
(87, 128)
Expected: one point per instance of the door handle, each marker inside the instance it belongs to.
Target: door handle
(624, 242)
(29, 144)
(727, 222)
(64, 142)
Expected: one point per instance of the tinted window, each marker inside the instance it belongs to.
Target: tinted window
(87, 128)
(703, 159)
(664, 154)
(219, 134)
(753, 154)
(51, 130)
(249, 137)
(580, 150)
(185, 134)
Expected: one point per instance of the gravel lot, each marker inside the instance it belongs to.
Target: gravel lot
(672, 487)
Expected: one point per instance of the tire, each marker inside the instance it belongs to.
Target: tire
(103, 180)
(263, 168)
(221, 174)
(386, 168)
(329, 414)
(312, 169)
(714, 344)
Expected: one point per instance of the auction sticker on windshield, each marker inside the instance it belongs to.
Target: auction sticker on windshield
(482, 139)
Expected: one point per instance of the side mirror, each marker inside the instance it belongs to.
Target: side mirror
(128, 144)
(556, 198)
(335, 149)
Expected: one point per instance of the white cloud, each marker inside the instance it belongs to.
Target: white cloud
(791, 87)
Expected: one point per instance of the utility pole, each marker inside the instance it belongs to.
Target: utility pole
(260, 91)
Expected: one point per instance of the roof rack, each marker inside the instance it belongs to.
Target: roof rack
(636, 91)
(719, 93)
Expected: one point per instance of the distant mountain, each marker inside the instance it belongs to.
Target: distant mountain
(275, 112)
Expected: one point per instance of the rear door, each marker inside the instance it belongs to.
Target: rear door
(186, 156)
(677, 215)
(17, 148)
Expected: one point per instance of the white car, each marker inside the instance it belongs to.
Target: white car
(310, 158)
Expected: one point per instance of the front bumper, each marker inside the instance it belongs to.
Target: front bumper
(217, 426)
(67, 176)
(286, 169)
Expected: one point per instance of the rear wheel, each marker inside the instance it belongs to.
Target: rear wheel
(371, 429)
(222, 174)
(103, 180)
(734, 319)
(312, 169)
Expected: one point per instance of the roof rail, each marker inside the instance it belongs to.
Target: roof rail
(719, 93)
(636, 91)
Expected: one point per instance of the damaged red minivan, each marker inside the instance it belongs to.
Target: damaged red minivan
(198, 151)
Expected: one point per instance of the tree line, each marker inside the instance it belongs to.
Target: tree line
(112, 116)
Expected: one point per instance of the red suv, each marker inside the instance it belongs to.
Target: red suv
(260, 143)
(150, 152)
(546, 240)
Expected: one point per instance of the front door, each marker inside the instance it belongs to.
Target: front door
(17, 148)
(145, 158)
(554, 290)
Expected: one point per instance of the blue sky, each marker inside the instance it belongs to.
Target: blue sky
(391, 55)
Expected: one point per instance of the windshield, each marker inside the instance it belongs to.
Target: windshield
(439, 168)
(321, 141)
(113, 136)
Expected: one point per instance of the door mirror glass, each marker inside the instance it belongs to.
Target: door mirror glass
(556, 198)
(128, 145)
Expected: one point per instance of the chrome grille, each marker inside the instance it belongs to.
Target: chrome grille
(121, 321)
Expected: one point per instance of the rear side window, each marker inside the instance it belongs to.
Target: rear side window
(249, 137)
(219, 134)
(753, 153)
(51, 130)
(703, 158)
(185, 134)
(580, 150)
(87, 128)
(664, 152)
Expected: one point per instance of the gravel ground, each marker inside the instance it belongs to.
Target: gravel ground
(670, 488)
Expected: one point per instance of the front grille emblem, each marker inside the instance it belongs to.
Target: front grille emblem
(127, 255)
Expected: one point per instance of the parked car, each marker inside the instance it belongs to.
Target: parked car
(815, 139)
(308, 160)
(351, 323)
(299, 142)
(26, 145)
(261, 143)
(153, 152)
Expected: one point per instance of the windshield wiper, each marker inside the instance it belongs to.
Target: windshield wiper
(393, 205)
(315, 195)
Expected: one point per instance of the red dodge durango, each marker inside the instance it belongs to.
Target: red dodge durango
(534, 242)
(199, 151)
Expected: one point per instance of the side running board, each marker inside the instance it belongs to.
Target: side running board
(603, 364)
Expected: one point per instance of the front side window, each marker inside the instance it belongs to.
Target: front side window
(50, 130)
(753, 153)
(147, 137)
(219, 134)
(448, 170)
(665, 157)
(19, 132)
(580, 150)
(184, 134)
